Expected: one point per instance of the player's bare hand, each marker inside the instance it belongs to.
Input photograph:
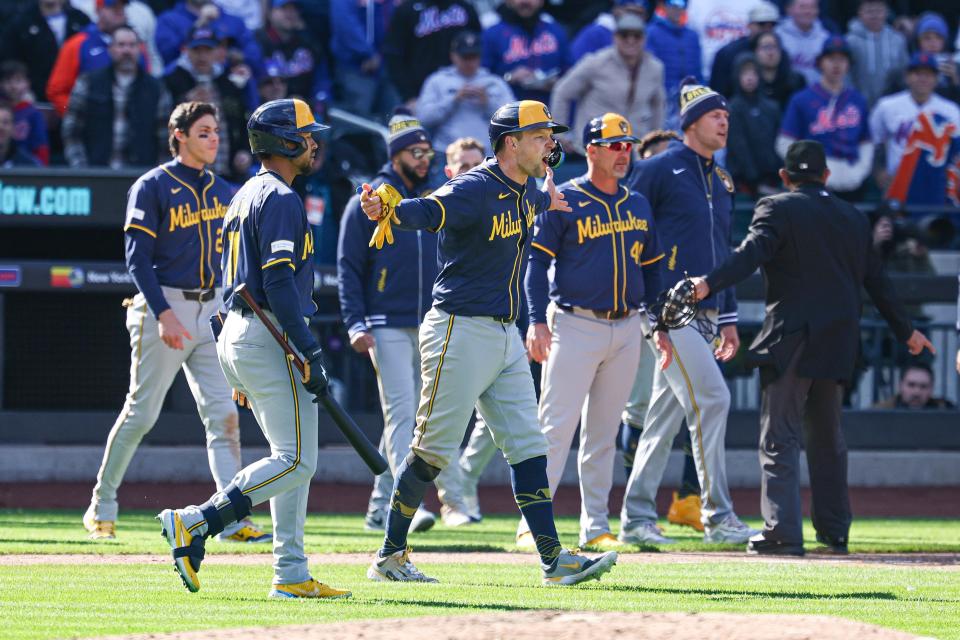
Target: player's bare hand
(917, 342)
(557, 201)
(362, 342)
(729, 343)
(701, 288)
(539, 339)
(171, 331)
(370, 202)
(661, 339)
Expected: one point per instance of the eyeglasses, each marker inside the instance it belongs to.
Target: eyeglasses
(615, 146)
(420, 154)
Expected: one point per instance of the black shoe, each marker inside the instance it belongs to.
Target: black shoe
(760, 546)
(831, 546)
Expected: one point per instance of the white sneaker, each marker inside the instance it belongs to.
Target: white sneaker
(645, 533)
(422, 521)
(453, 516)
(396, 567)
(729, 531)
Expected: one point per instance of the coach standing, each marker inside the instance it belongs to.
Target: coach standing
(815, 251)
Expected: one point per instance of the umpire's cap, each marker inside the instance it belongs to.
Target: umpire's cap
(279, 122)
(805, 159)
(521, 116)
(610, 127)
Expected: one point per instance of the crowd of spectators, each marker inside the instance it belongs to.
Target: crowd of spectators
(89, 83)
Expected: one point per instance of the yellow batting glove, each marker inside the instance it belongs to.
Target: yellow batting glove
(390, 198)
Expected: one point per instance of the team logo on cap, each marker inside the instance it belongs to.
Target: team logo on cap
(623, 127)
(546, 113)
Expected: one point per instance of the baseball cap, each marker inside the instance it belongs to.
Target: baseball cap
(697, 100)
(405, 131)
(932, 21)
(203, 37)
(466, 43)
(631, 22)
(805, 158)
(764, 11)
(610, 127)
(834, 44)
(923, 61)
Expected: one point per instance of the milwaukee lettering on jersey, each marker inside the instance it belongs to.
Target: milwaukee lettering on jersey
(594, 227)
(505, 226)
(183, 216)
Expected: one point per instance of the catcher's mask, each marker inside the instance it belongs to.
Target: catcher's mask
(676, 307)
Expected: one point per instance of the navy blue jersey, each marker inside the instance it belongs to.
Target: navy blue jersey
(484, 220)
(692, 202)
(604, 252)
(266, 226)
(173, 230)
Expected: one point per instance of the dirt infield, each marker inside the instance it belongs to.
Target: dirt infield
(950, 561)
(939, 502)
(535, 625)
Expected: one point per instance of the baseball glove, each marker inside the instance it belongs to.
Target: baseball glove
(676, 307)
(389, 198)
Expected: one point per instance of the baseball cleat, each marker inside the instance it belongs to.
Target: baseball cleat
(247, 533)
(396, 567)
(455, 517)
(99, 529)
(604, 542)
(309, 589)
(188, 550)
(685, 511)
(729, 531)
(526, 542)
(422, 521)
(645, 533)
(571, 568)
(375, 522)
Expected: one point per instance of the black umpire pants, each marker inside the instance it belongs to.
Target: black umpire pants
(792, 408)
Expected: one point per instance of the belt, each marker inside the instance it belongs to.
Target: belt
(504, 319)
(245, 312)
(203, 295)
(605, 314)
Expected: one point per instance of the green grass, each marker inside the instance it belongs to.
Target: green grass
(61, 600)
(61, 532)
(57, 600)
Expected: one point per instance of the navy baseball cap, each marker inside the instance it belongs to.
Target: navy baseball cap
(921, 60)
(610, 127)
(834, 44)
(466, 43)
(805, 158)
(203, 37)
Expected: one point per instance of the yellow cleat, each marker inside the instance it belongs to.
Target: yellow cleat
(604, 542)
(526, 542)
(248, 533)
(188, 550)
(309, 589)
(685, 511)
(99, 529)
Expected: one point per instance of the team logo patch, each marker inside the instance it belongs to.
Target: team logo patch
(546, 113)
(725, 179)
(623, 126)
(281, 245)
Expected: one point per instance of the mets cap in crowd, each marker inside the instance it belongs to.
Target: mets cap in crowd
(610, 127)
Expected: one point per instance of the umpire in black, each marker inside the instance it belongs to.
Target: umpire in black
(816, 255)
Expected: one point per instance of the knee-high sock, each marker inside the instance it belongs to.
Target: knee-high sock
(407, 495)
(629, 437)
(532, 492)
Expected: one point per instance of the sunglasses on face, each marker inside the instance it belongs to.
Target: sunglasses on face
(420, 154)
(616, 146)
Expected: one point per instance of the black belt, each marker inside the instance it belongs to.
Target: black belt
(200, 296)
(504, 319)
(605, 314)
(245, 312)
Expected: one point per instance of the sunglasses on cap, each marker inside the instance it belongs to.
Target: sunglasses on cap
(420, 154)
(615, 146)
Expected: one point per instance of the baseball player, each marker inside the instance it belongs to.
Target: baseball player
(685, 506)
(173, 246)
(604, 256)
(384, 295)
(268, 248)
(470, 351)
(691, 198)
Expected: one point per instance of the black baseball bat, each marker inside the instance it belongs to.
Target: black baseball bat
(367, 452)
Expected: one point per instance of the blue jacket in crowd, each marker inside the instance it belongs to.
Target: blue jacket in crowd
(174, 26)
(678, 48)
(692, 201)
(390, 286)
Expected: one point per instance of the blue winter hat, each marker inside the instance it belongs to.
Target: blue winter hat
(932, 21)
(405, 131)
(696, 100)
